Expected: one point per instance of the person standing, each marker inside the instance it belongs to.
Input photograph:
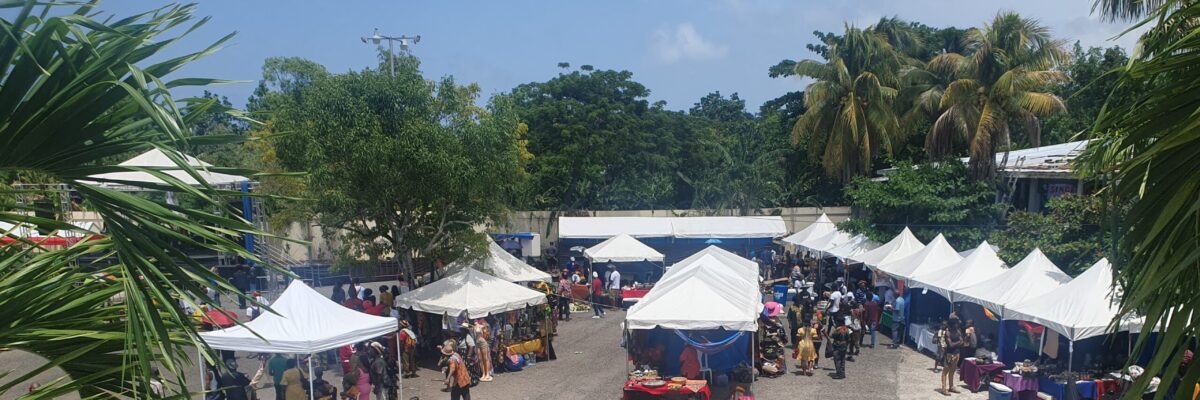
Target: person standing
(564, 295)
(597, 296)
(899, 327)
(385, 298)
(940, 340)
(458, 379)
(408, 339)
(277, 365)
(339, 294)
(233, 382)
(241, 282)
(805, 353)
(970, 341)
(856, 327)
(871, 316)
(840, 341)
(377, 370)
(614, 285)
(294, 379)
(952, 342)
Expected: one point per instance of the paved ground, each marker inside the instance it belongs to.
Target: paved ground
(591, 365)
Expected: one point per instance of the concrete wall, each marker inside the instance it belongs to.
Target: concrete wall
(546, 223)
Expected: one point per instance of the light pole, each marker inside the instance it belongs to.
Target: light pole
(376, 38)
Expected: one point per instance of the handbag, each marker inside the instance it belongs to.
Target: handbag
(829, 351)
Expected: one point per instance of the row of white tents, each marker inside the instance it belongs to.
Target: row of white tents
(1033, 290)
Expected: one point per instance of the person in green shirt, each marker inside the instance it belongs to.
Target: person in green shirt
(277, 366)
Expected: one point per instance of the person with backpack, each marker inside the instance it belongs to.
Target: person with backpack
(408, 360)
(840, 344)
(377, 370)
(295, 381)
(458, 378)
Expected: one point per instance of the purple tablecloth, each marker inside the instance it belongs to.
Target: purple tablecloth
(974, 374)
(1025, 388)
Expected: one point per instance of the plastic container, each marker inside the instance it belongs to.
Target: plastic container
(998, 391)
(780, 291)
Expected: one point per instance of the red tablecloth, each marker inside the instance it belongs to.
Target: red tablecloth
(632, 388)
(634, 293)
(975, 374)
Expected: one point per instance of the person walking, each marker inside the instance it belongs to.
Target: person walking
(276, 366)
(899, 327)
(408, 360)
(564, 295)
(840, 341)
(241, 282)
(293, 380)
(939, 339)
(597, 296)
(805, 353)
(377, 370)
(856, 328)
(458, 379)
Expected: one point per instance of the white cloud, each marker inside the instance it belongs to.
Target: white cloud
(684, 43)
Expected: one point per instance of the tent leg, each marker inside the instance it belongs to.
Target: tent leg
(1000, 342)
(200, 363)
(311, 395)
(399, 367)
(1071, 356)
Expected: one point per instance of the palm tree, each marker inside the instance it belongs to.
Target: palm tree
(1146, 146)
(79, 92)
(1000, 79)
(850, 117)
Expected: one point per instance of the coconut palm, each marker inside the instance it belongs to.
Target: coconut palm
(849, 119)
(1148, 142)
(1001, 79)
(79, 92)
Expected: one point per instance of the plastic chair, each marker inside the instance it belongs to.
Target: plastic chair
(704, 369)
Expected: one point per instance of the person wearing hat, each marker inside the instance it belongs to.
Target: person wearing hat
(458, 379)
(408, 343)
(597, 296)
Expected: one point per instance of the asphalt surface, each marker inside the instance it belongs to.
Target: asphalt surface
(591, 365)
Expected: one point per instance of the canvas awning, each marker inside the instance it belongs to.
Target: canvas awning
(743, 266)
(677, 227)
(982, 264)
(155, 158)
(469, 290)
(1080, 309)
(936, 255)
(304, 322)
(826, 242)
(899, 247)
(1032, 277)
(821, 227)
(503, 265)
(622, 248)
(709, 292)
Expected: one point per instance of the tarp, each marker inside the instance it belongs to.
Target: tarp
(469, 290)
(821, 227)
(936, 255)
(156, 158)
(980, 265)
(742, 266)
(858, 244)
(304, 322)
(677, 227)
(503, 265)
(826, 242)
(899, 247)
(1080, 309)
(1032, 277)
(622, 248)
(707, 293)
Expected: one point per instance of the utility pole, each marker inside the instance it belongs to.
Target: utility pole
(376, 38)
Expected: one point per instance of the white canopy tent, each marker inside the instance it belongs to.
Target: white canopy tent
(899, 247)
(936, 255)
(1080, 309)
(304, 322)
(155, 158)
(735, 268)
(469, 290)
(677, 227)
(743, 266)
(821, 227)
(859, 244)
(502, 265)
(622, 248)
(982, 264)
(1032, 277)
(606, 227)
(708, 293)
(826, 242)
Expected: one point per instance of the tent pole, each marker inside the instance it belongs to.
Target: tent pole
(200, 363)
(1071, 356)
(311, 395)
(399, 367)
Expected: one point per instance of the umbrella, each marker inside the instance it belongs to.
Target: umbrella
(579, 249)
(221, 318)
(712, 241)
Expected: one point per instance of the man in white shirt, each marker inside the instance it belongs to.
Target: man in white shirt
(614, 285)
(835, 303)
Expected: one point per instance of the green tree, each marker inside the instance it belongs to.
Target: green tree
(929, 198)
(1092, 77)
(849, 118)
(1146, 145)
(733, 163)
(78, 89)
(406, 166)
(1001, 79)
(1070, 234)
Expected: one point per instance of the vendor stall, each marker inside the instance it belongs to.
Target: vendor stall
(501, 264)
(821, 227)
(936, 255)
(980, 265)
(635, 261)
(899, 247)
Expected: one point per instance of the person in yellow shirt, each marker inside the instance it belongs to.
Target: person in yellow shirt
(293, 379)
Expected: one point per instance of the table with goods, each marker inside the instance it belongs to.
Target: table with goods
(647, 384)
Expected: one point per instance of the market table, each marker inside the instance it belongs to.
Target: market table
(1085, 389)
(1024, 387)
(529, 346)
(924, 337)
(634, 293)
(975, 374)
(635, 391)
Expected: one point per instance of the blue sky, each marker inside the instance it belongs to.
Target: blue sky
(681, 50)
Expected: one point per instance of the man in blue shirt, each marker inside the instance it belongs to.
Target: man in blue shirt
(898, 320)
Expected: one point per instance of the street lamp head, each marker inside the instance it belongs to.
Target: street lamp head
(404, 44)
(417, 39)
